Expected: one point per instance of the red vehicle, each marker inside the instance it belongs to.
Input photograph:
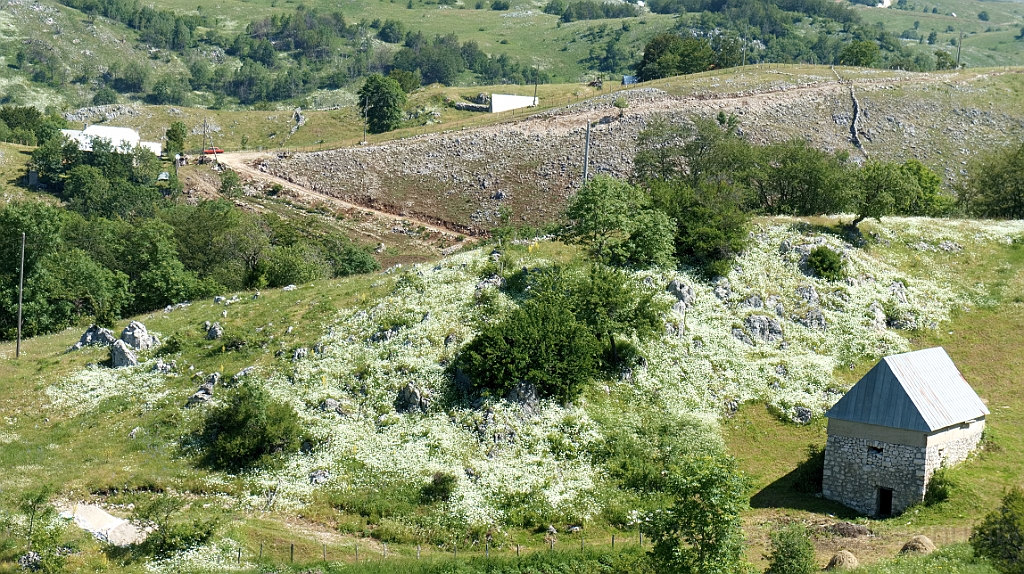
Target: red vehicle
(213, 150)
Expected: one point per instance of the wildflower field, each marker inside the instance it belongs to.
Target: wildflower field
(342, 352)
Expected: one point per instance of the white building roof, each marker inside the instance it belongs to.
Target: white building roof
(118, 137)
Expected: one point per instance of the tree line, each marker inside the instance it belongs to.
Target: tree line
(124, 243)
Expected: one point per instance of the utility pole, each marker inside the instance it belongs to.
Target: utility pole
(744, 51)
(366, 110)
(958, 45)
(21, 289)
(203, 151)
(586, 156)
(535, 93)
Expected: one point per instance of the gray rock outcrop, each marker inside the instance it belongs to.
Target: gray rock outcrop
(524, 394)
(95, 336)
(412, 399)
(764, 328)
(137, 337)
(205, 392)
(683, 293)
(215, 332)
(813, 319)
(122, 356)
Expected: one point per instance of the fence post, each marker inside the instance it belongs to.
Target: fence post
(385, 550)
(325, 552)
(261, 550)
(357, 553)
(417, 551)
(613, 542)
(517, 551)
(487, 549)
(551, 544)
(292, 556)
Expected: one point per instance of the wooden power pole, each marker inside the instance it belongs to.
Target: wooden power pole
(958, 46)
(21, 289)
(586, 156)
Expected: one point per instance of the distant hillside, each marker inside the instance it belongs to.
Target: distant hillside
(530, 166)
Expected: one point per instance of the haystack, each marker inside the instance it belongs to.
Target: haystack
(843, 560)
(919, 544)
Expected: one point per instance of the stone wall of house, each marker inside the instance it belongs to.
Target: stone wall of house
(855, 468)
(952, 452)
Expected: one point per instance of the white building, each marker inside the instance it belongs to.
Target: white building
(506, 102)
(119, 138)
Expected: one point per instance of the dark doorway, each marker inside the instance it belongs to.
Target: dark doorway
(885, 502)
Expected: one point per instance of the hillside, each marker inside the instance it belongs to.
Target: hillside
(530, 166)
(116, 436)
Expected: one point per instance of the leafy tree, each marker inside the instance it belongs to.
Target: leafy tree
(542, 343)
(793, 178)
(701, 532)
(381, 99)
(711, 224)
(169, 91)
(826, 263)
(933, 37)
(500, 5)
(610, 217)
(42, 224)
(175, 136)
(1000, 536)
(609, 303)
(104, 96)
(943, 60)
(670, 55)
(859, 53)
(251, 429)
(994, 184)
(230, 183)
(660, 154)
(792, 551)
(441, 487)
(882, 187)
(930, 201)
(983, 16)
(409, 81)
(392, 31)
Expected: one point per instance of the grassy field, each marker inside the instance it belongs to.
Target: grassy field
(985, 343)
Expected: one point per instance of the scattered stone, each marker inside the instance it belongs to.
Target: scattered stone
(330, 405)
(95, 336)
(809, 294)
(412, 399)
(878, 319)
(214, 332)
(683, 293)
(849, 530)
(318, 477)
(205, 392)
(899, 291)
(300, 354)
(219, 299)
(136, 335)
(951, 247)
(736, 332)
(450, 340)
(785, 246)
(524, 394)
(237, 378)
(31, 561)
(754, 302)
(289, 288)
(551, 530)
(813, 319)
(765, 328)
(842, 560)
(386, 334)
(781, 370)
(122, 356)
(722, 290)
(165, 368)
(919, 544)
(134, 432)
(802, 415)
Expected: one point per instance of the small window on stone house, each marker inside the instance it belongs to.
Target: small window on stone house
(874, 450)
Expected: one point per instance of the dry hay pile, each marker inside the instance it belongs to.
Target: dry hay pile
(849, 530)
(843, 560)
(919, 544)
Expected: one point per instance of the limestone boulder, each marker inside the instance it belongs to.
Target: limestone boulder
(122, 356)
(137, 337)
(95, 336)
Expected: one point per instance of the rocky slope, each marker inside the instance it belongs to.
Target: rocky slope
(528, 168)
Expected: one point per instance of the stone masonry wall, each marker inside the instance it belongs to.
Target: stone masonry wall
(854, 473)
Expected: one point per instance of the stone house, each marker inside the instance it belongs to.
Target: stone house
(910, 415)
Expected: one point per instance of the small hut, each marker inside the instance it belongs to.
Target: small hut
(911, 414)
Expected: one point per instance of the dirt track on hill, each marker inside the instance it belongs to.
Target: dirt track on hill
(465, 180)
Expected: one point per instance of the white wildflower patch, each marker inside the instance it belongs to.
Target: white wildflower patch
(84, 390)
(8, 437)
(769, 332)
(220, 556)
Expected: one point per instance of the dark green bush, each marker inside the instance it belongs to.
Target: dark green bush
(1000, 537)
(250, 429)
(939, 487)
(440, 488)
(792, 551)
(540, 342)
(826, 263)
(174, 529)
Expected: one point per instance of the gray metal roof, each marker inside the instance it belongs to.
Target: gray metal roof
(920, 391)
